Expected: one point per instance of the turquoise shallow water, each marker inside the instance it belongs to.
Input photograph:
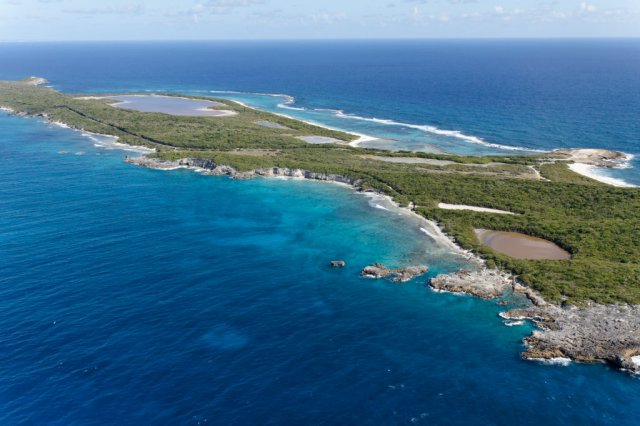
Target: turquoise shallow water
(135, 296)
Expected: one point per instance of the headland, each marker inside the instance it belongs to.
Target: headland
(537, 196)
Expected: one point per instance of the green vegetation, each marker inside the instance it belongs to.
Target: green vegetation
(598, 224)
(162, 130)
(560, 172)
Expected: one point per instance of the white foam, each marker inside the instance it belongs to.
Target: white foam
(507, 317)
(445, 206)
(235, 92)
(7, 109)
(635, 360)
(89, 98)
(564, 362)
(290, 100)
(287, 106)
(455, 293)
(111, 142)
(513, 323)
(429, 234)
(594, 173)
(378, 206)
(434, 130)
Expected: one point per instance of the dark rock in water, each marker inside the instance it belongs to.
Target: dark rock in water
(399, 275)
(338, 263)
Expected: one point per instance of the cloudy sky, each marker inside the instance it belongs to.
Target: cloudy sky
(28, 20)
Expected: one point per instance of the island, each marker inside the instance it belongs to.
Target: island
(585, 294)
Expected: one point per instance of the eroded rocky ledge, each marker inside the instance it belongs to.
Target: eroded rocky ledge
(485, 284)
(398, 275)
(594, 333)
(595, 157)
(214, 169)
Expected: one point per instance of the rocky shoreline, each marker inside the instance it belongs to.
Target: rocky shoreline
(485, 284)
(210, 168)
(603, 158)
(595, 333)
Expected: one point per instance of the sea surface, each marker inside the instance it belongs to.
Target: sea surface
(136, 296)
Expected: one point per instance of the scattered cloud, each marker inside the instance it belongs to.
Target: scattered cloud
(328, 18)
(136, 9)
(587, 8)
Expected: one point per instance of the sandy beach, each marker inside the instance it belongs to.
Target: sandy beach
(594, 172)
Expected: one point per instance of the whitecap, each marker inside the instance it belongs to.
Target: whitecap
(561, 361)
(434, 130)
(429, 234)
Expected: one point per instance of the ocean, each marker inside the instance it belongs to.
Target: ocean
(136, 296)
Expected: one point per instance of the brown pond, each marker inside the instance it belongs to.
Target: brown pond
(521, 246)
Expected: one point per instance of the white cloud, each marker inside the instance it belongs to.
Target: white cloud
(135, 9)
(327, 18)
(587, 8)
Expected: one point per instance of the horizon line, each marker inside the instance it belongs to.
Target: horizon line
(326, 39)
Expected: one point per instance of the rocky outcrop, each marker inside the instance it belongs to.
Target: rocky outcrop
(595, 157)
(214, 169)
(398, 275)
(485, 284)
(594, 333)
(36, 81)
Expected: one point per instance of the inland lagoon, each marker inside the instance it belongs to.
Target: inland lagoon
(521, 246)
(171, 105)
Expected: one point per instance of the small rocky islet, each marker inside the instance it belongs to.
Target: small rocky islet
(398, 275)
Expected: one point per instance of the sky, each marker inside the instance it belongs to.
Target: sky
(69, 20)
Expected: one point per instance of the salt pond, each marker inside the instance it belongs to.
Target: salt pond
(521, 246)
(172, 105)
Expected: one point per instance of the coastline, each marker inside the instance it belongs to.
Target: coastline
(547, 317)
(559, 328)
(361, 137)
(591, 171)
(583, 165)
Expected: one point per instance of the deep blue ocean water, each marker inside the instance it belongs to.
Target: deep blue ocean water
(135, 296)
